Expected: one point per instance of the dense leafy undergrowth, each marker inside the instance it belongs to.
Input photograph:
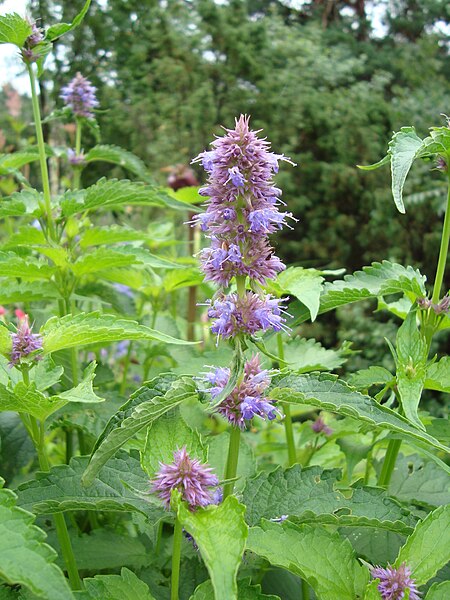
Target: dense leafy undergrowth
(156, 444)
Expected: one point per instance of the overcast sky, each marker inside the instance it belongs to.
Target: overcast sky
(11, 68)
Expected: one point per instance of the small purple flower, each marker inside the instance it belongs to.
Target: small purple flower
(424, 303)
(36, 37)
(24, 342)
(247, 400)
(124, 289)
(122, 348)
(394, 582)
(188, 475)
(248, 314)
(74, 158)
(319, 426)
(79, 95)
(441, 164)
(236, 177)
(442, 306)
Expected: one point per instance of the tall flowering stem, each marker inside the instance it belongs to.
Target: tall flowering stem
(289, 431)
(242, 210)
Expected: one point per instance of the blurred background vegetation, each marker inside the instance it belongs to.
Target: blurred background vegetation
(327, 80)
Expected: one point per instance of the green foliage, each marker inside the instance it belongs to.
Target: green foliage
(220, 533)
(438, 375)
(119, 156)
(24, 556)
(438, 591)
(56, 31)
(300, 549)
(246, 591)
(304, 284)
(125, 586)
(14, 29)
(420, 481)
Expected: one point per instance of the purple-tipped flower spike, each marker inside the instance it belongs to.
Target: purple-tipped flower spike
(79, 95)
(35, 38)
(248, 314)
(394, 582)
(188, 475)
(24, 342)
(319, 426)
(247, 400)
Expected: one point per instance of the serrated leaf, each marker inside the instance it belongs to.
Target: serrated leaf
(306, 355)
(97, 236)
(416, 480)
(61, 490)
(119, 156)
(366, 378)
(24, 556)
(428, 549)
(12, 265)
(56, 31)
(16, 448)
(11, 162)
(304, 284)
(220, 533)
(84, 391)
(378, 279)
(439, 591)
(126, 586)
(311, 495)
(28, 400)
(144, 407)
(330, 393)
(411, 360)
(166, 435)
(246, 591)
(14, 29)
(403, 149)
(217, 457)
(438, 375)
(12, 208)
(12, 292)
(94, 328)
(301, 549)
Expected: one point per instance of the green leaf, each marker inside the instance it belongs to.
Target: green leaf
(28, 400)
(246, 591)
(419, 481)
(97, 236)
(304, 284)
(12, 265)
(100, 259)
(220, 533)
(5, 340)
(366, 378)
(24, 556)
(372, 592)
(94, 328)
(166, 435)
(61, 490)
(12, 292)
(324, 559)
(10, 163)
(412, 355)
(144, 407)
(379, 279)
(56, 31)
(126, 586)
(438, 375)
(439, 591)
(306, 355)
(428, 549)
(119, 156)
(83, 392)
(236, 370)
(218, 452)
(312, 495)
(328, 392)
(14, 29)
(403, 149)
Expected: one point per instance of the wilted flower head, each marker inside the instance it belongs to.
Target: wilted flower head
(248, 314)
(394, 582)
(189, 476)
(79, 95)
(319, 426)
(24, 342)
(247, 400)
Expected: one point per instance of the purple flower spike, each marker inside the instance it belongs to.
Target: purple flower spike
(24, 342)
(188, 475)
(319, 426)
(79, 95)
(247, 400)
(394, 582)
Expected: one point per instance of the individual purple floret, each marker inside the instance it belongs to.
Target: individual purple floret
(247, 400)
(24, 342)
(394, 582)
(188, 475)
(319, 426)
(248, 314)
(79, 95)
(74, 158)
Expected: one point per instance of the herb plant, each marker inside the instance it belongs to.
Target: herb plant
(241, 466)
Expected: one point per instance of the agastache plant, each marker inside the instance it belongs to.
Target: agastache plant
(242, 210)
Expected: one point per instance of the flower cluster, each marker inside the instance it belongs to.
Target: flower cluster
(79, 95)
(247, 400)
(441, 308)
(188, 475)
(394, 582)
(36, 36)
(242, 207)
(24, 342)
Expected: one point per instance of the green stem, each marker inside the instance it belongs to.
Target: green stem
(41, 148)
(77, 168)
(176, 556)
(240, 285)
(232, 461)
(288, 429)
(69, 444)
(305, 590)
(126, 366)
(443, 250)
(389, 462)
